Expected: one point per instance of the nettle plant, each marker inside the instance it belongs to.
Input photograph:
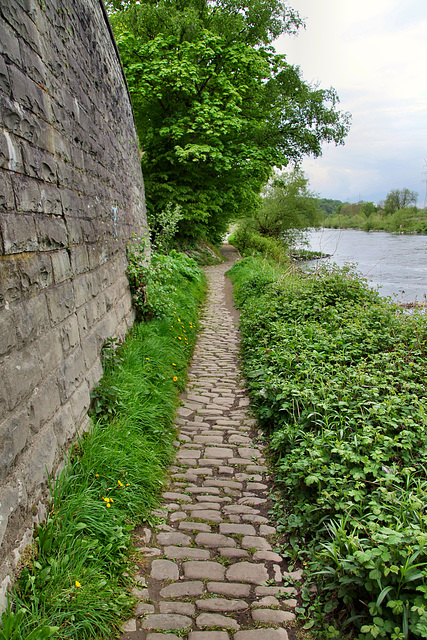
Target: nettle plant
(337, 376)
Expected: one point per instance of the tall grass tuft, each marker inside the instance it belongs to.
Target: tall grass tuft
(75, 580)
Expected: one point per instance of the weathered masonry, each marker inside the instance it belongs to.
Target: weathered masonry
(71, 198)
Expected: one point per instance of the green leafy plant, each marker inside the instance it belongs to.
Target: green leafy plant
(337, 376)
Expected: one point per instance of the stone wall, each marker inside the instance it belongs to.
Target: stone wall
(71, 197)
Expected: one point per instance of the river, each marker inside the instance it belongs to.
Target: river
(397, 264)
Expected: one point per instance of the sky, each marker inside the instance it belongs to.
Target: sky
(374, 53)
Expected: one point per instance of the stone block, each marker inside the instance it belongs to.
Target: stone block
(8, 339)
(51, 233)
(10, 153)
(51, 199)
(31, 319)
(43, 404)
(22, 373)
(32, 64)
(15, 432)
(9, 503)
(35, 271)
(29, 95)
(38, 163)
(95, 310)
(9, 44)
(63, 425)
(10, 281)
(39, 460)
(27, 196)
(71, 375)
(4, 77)
(61, 302)
(70, 336)
(79, 260)
(95, 374)
(79, 403)
(49, 349)
(7, 197)
(18, 232)
(61, 266)
(91, 346)
(22, 23)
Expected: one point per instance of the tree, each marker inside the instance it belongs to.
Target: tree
(287, 205)
(399, 199)
(215, 107)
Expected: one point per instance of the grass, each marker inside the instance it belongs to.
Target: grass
(76, 580)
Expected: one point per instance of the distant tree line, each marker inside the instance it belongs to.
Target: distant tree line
(397, 213)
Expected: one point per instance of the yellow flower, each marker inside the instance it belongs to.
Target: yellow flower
(173, 364)
(108, 505)
(179, 320)
(175, 378)
(147, 358)
(128, 484)
(96, 475)
(179, 338)
(120, 483)
(77, 583)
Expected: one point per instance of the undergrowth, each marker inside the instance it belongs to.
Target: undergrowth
(337, 376)
(75, 581)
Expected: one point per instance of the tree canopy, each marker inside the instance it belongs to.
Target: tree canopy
(399, 199)
(216, 107)
(287, 205)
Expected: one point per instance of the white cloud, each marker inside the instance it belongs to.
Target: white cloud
(374, 54)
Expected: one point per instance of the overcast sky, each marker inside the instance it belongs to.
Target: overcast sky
(374, 53)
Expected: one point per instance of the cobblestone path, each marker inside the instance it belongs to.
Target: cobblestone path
(212, 572)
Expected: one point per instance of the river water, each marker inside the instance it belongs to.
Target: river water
(397, 264)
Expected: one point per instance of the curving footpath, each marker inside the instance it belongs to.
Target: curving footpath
(211, 571)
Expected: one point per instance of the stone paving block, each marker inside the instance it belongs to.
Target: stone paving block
(173, 538)
(194, 526)
(240, 529)
(166, 621)
(203, 570)
(221, 605)
(208, 515)
(214, 540)
(216, 620)
(267, 556)
(256, 542)
(272, 616)
(179, 553)
(183, 608)
(267, 634)
(228, 552)
(182, 589)
(247, 572)
(233, 589)
(164, 570)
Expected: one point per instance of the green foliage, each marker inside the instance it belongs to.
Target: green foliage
(77, 581)
(154, 284)
(286, 206)
(250, 242)
(363, 216)
(327, 206)
(338, 376)
(399, 199)
(215, 107)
